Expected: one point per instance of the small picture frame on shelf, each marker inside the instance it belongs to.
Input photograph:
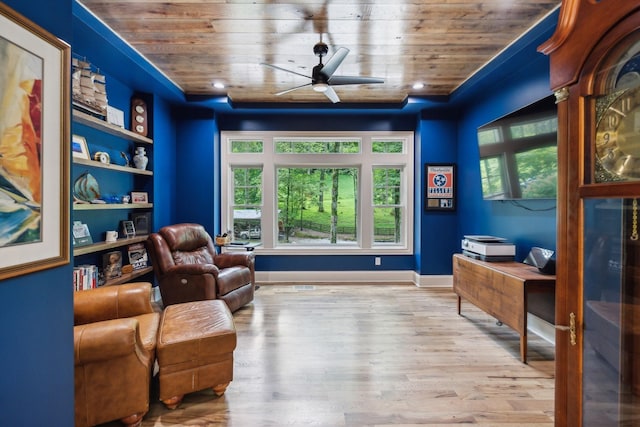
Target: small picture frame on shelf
(139, 197)
(112, 265)
(79, 147)
(81, 235)
(141, 221)
(128, 229)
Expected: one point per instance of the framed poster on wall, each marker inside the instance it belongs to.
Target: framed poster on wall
(35, 137)
(440, 191)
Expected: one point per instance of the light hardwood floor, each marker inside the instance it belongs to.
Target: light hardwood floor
(372, 355)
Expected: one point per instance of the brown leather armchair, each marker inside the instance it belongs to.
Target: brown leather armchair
(188, 268)
(114, 346)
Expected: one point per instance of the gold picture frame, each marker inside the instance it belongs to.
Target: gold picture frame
(36, 73)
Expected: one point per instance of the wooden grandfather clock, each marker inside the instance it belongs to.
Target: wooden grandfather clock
(595, 72)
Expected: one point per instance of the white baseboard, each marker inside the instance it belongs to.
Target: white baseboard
(541, 327)
(371, 276)
(434, 281)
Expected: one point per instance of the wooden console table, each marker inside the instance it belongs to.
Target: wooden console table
(500, 289)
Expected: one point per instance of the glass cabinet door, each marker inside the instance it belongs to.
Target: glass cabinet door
(611, 307)
(611, 245)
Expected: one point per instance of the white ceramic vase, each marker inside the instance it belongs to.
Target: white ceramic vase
(140, 159)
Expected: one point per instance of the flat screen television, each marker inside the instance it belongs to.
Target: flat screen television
(518, 153)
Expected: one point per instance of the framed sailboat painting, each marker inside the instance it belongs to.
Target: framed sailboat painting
(34, 144)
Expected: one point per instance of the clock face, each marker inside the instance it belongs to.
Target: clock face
(102, 157)
(618, 133)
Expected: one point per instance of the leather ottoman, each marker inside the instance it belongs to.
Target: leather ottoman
(195, 349)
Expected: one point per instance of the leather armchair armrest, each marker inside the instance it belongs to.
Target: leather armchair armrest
(106, 340)
(231, 259)
(196, 269)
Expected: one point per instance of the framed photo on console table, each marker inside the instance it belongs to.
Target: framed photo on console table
(440, 189)
(36, 80)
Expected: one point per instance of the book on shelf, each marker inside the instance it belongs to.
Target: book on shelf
(85, 277)
(138, 257)
(112, 265)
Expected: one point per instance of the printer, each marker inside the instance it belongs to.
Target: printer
(488, 248)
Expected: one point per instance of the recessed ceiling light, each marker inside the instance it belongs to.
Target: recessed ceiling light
(218, 85)
(418, 85)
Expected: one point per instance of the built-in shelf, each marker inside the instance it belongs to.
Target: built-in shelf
(110, 210)
(103, 206)
(103, 246)
(128, 277)
(89, 120)
(95, 164)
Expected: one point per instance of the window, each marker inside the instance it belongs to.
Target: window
(247, 201)
(387, 204)
(319, 193)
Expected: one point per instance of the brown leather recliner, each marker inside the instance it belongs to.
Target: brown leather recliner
(188, 268)
(114, 346)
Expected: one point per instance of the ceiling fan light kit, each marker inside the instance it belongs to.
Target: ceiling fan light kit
(322, 78)
(320, 87)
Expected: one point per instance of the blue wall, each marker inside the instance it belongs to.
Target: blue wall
(38, 314)
(36, 385)
(165, 149)
(437, 238)
(197, 177)
(523, 81)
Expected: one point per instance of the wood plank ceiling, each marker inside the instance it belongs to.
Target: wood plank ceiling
(439, 43)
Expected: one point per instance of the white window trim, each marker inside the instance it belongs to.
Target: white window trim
(268, 160)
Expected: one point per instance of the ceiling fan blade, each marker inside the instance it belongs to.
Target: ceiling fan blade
(354, 80)
(334, 62)
(284, 69)
(292, 89)
(331, 94)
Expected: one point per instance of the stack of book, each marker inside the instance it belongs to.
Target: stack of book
(85, 277)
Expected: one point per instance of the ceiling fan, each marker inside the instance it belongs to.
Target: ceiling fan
(322, 78)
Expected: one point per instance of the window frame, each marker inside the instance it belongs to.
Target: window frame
(366, 161)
